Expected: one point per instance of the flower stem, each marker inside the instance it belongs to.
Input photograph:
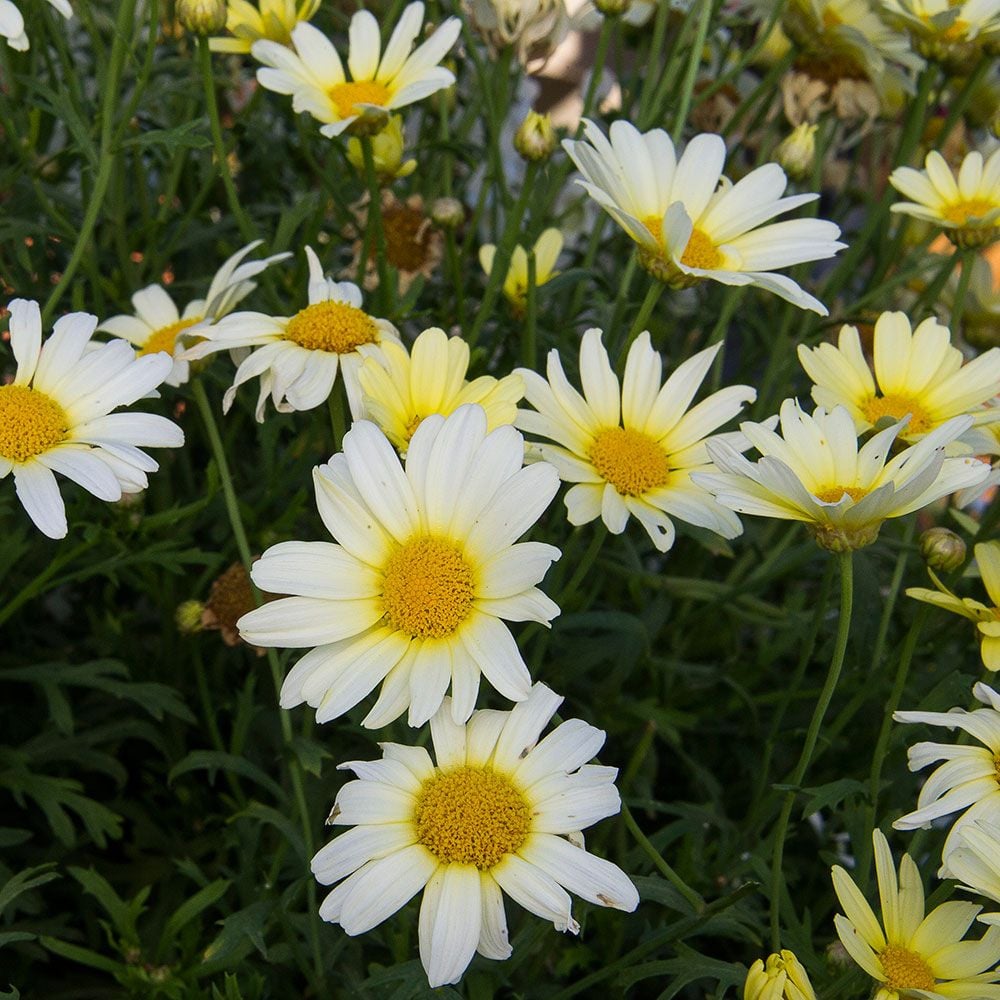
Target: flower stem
(812, 735)
(375, 227)
(653, 294)
(968, 259)
(603, 41)
(693, 897)
(529, 344)
(691, 74)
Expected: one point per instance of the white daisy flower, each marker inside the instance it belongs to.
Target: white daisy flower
(12, 22)
(158, 326)
(691, 222)
(499, 812)
(415, 594)
(380, 82)
(270, 19)
(975, 862)
(943, 27)
(56, 415)
(299, 355)
(632, 450)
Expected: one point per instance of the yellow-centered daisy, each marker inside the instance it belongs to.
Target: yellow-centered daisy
(381, 81)
(691, 223)
(269, 19)
(966, 206)
(986, 616)
(426, 570)
(158, 326)
(917, 373)
(632, 449)
(781, 977)
(398, 390)
(55, 416)
(547, 248)
(909, 953)
(948, 30)
(298, 356)
(815, 472)
(499, 811)
(975, 862)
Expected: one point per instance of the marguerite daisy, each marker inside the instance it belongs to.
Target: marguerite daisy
(270, 19)
(815, 472)
(969, 778)
(12, 22)
(908, 953)
(380, 81)
(298, 356)
(426, 569)
(947, 29)
(547, 248)
(917, 374)
(399, 390)
(56, 415)
(498, 812)
(692, 223)
(986, 617)
(975, 862)
(968, 206)
(782, 977)
(632, 449)
(158, 326)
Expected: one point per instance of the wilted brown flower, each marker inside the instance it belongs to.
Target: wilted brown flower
(230, 597)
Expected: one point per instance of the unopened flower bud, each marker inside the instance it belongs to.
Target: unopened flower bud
(448, 213)
(942, 549)
(188, 617)
(797, 152)
(782, 977)
(536, 139)
(202, 17)
(612, 8)
(387, 152)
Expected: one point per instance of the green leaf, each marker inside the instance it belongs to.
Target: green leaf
(24, 881)
(82, 955)
(190, 909)
(240, 931)
(124, 915)
(831, 794)
(216, 760)
(189, 135)
(310, 754)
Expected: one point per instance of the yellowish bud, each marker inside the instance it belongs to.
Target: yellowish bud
(188, 617)
(782, 977)
(942, 549)
(387, 151)
(202, 17)
(612, 8)
(448, 213)
(536, 139)
(797, 152)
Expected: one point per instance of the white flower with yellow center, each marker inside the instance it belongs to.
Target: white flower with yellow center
(298, 356)
(939, 26)
(918, 373)
(427, 568)
(547, 248)
(690, 222)
(399, 390)
(270, 19)
(975, 862)
(969, 778)
(500, 811)
(782, 977)
(815, 472)
(56, 415)
(12, 22)
(967, 206)
(380, 81)
(910, 954)
(632, 450)
(986, 617)
(158, 326)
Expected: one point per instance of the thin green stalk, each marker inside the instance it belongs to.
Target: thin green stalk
(961, 100)
(812, 735)
(718, 335)
(375, 227)
(654, 58)
(691, 74)
(653, 294)
(529, 342)
(932, 292)
(335, 403)
(691, 895)
(221, 154)
(968, 260)
(608, 25)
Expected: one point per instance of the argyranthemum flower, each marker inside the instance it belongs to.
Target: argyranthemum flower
(815, 472)
(917, 374)
(975, 862)
(399, 390)
(298, 356)
(948, 29)
(270, 19)
(690, 222)
(547, 248)
(158, 326)
(534, 29)
(56, 415)
(986, 617)
(968, 779)
(632, 450)
(910, 954)
(968, 206)
(12, 22)
(427, 570)
(782, 977)
(380, 81)
(499, 812)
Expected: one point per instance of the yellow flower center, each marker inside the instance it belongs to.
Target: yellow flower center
(831, 19)
(905, 970)
(701, 252)
(963, 211)
(654, 223)
(347, 96)
(897, 407)
(411, 426)
(631, 461)
(428, 588)
(833, 494)
(30, 423)
(335, 327)
(471, 816)
(165, 338)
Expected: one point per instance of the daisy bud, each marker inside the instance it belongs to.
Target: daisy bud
(188, 617)
(387, 151)
(797, 152)
(782, 977)
(448, 213)
(942, 549)
(202, 17)
(612, 8)
(536, 139)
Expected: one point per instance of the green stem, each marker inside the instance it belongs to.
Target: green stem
(529, 343)
(375, 227)
(961, 100)
(337, 420)
(37, 585)
(691, 74)
(653, 294)
(600, 58)
(968, 259)
(812, 735)
(693, 897)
